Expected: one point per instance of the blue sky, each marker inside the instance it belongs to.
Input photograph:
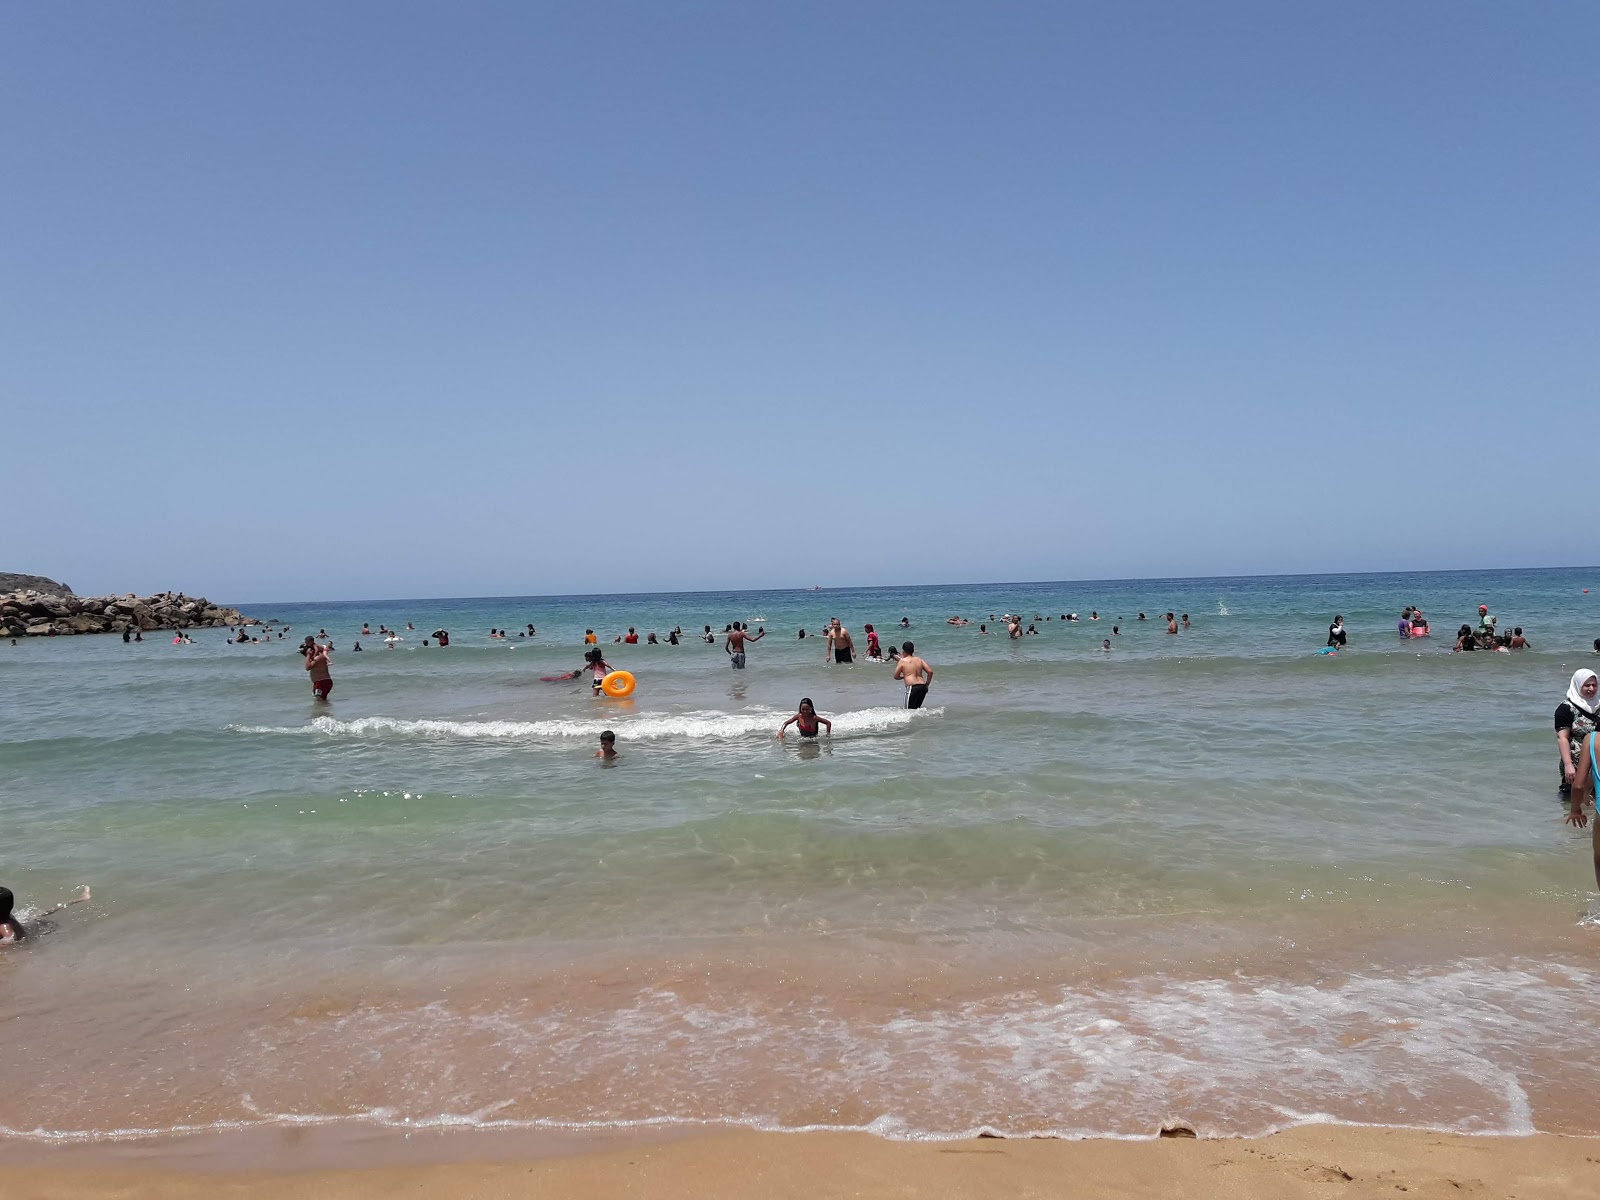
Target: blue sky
(304, 301)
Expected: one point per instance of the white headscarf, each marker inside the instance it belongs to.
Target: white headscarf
(1575, 696)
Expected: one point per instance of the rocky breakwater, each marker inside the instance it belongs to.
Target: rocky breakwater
(53, 611)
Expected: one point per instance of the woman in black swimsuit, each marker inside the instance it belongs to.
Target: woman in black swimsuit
(806, 720)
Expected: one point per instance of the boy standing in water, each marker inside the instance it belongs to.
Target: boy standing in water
(915, 673)
(738, 635)
(608, 746)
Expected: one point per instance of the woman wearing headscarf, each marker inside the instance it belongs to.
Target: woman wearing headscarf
(1576, 718)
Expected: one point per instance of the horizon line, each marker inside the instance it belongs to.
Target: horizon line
(911, 586)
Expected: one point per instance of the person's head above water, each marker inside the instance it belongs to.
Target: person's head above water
(907, 648)
(1584, 690)
(1483, 608)
(806, 706)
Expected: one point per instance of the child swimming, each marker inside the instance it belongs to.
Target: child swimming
(11, 929)
(806, 720)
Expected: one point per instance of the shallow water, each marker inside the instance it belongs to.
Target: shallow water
(1214, 876)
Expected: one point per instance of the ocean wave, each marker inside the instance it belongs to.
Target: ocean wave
(1443, 1049)
(704, 725)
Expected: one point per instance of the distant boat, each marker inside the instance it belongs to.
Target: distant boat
(815, 587)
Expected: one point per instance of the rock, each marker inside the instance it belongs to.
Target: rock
(34, 612)
(35, 583)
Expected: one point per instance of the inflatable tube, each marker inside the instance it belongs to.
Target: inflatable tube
(617, 684)
(1329, 650)
(1419, 631)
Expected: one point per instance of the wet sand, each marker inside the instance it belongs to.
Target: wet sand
(1314, 1161)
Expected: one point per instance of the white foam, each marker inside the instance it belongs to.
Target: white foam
(690, 725)
(1457, 1048)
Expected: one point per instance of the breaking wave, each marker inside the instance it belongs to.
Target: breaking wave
(706, 725)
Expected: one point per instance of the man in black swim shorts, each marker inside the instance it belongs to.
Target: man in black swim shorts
(839, 641)
(915, 673)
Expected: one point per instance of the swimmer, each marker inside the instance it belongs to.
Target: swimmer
(1336, 634)
(733, 647)
(874, 650)
(1116, 631)
(806, 720)
(589, 638)
(1172, 623)
(11, 929)
(839, 641)
(1518, 642)
(1106, 645)
(905, 622)
(1582, 783)
(1186, 624)
(983, 628)
(356, 649)
(599, 667)
(608, 746)
(317, 662)
(652, 640)
(1094, 616)
(915, 673)
(632, 639)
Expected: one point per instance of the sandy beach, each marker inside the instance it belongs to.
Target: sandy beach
(1319, 1161)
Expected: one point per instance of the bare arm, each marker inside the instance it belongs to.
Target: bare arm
(1564, 743)
(900, 669)
(788, 723)
(828, 723)
(1580, 781)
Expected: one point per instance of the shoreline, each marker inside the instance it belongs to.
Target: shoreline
(345, 1164)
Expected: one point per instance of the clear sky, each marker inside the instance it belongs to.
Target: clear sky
(311, 301)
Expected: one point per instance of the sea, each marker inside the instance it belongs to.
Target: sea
(1214, 878)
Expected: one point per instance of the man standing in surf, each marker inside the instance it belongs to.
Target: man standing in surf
(915, 673)
(317, 665)
(839, 643)
(738, 635)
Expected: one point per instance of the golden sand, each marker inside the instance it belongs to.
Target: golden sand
(1318, 1161)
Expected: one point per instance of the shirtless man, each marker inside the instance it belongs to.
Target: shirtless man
(844, 650)
(915, 673)
(317, 665)
(1014, 627)
(738, 635)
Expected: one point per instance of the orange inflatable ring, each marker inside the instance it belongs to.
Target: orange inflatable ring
(618, 684)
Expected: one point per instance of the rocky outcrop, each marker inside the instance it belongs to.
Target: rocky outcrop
(34, 612)
(32, 583)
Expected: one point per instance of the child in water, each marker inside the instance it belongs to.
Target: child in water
(608, 746)
(874, 650)
(806, 720)
(11, 929)
(599, 668)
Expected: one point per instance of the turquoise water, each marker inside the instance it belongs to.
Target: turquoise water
(1213, 875)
